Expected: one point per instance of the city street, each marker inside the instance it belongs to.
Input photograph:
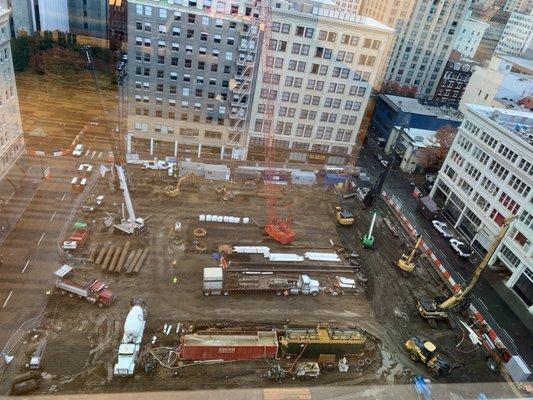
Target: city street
(514, 330)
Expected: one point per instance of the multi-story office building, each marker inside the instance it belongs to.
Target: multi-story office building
(38, 15)
(497, 22)
(517, 37)
(11, 139)
(425, 34)
(118, 23)
(325, 64)
(486, 177)
(191, 68)
(454, 79)
(352, 6)
(88, 18)
(504, 82)
(470, 36)
(523, 6)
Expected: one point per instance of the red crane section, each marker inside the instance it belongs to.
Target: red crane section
(278, 228)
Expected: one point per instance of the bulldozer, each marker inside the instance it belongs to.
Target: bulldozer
(424, 351)
(175, 191)
(406, 263)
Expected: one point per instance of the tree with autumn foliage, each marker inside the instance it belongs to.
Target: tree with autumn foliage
(397, 89)
(432, 157)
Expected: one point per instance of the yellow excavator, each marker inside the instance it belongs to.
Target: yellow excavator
(344, 217)
(406, 263)
(438, 308)
(175, 191)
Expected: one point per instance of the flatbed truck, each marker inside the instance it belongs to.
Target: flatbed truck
(218, 281)
(92, 290)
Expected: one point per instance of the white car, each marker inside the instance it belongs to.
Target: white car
(460, 248)
(442, 228)
(78, 150)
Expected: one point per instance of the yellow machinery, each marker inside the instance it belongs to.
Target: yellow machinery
(406, 262)
(437, 309)
(344, 217)
(424, 351)
(174, 191)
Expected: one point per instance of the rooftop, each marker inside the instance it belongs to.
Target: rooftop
(521, 61)
(413, 106)
(421, 137)
(516, 122)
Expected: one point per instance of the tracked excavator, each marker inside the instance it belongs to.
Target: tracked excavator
(438, 308)
(406, 263)
(175, 191)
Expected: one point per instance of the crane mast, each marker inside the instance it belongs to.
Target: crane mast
(280, 229)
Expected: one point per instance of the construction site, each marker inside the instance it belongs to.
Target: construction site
(211, 293)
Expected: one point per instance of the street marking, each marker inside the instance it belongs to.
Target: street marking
(53, 215)
(40, 240)
(87, 152)
(63, 198)
(8, 297)
(481, 301)
(506, 334)
(26, 266)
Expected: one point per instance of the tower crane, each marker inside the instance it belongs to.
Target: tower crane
(278, 228)
(433, 310)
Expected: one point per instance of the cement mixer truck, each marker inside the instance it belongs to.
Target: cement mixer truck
(130, 345)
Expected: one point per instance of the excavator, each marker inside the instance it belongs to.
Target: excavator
(438, 309)
(425, 352)
(406, 263)
(175, 191)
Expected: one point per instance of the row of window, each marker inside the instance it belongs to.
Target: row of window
(303, 130)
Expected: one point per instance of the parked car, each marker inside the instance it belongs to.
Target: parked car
(460, 248)
(442, 228)
(78, 150)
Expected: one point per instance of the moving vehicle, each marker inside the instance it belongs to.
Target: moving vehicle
(223, 281)
(424, 351)
(130, 345)
(437, 309)
(78, 150)
(92, 290)
(460, 248)
(442, 228)
(344, 217)
(405, 263)
(427, 207)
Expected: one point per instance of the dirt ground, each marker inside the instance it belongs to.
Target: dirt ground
(173, 294)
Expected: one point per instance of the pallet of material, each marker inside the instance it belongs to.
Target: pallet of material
(133, 263)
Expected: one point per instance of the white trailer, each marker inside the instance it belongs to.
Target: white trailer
(130, 345)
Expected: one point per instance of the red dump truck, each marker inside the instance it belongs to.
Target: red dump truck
(92, 290)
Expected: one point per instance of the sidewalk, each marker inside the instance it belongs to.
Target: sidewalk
(16, 191)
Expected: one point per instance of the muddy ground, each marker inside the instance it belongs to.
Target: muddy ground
(85, 337)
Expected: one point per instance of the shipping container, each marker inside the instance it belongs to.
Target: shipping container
(303, 177)
(247, 174)
(195, 347)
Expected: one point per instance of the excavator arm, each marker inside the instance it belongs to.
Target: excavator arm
(463, 292)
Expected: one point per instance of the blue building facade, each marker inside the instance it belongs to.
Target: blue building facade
(391, 111)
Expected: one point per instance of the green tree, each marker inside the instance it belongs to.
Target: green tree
(20, 49)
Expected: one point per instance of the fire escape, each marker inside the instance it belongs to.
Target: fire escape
(241, 90)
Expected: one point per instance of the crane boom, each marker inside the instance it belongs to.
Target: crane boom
(463, 292)
(124, 187)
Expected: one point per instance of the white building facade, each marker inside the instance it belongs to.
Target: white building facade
(517, 36)
(470, 36)
(488, 177)
(11, 139)
(324, 65)
(505, 80)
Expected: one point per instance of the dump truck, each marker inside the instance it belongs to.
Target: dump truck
(92, 290)
(222, 281)
(130, 345)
